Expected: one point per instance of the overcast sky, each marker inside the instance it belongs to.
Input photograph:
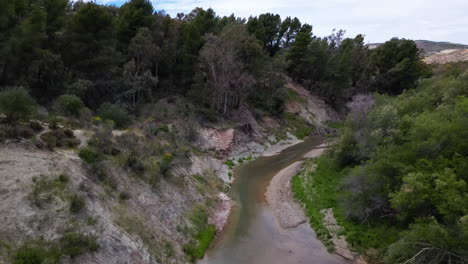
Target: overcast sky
(378, 20)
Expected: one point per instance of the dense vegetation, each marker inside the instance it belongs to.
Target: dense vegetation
(401, 164)
(82, 56)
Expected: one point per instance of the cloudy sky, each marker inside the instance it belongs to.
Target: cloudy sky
(378, 20)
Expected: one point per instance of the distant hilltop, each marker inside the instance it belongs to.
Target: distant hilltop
(430, 47)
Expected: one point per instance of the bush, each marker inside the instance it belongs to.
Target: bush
(36, 126)
(60, 138)
(77, 203)
(16, 104)
(89, 155)
(114, 112)
(68, 105)
(202, 233)
(36, 255)
(75, 244)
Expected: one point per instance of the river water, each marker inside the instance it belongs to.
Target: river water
(252, 236)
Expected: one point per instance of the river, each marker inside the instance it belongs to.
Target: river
(252, 234)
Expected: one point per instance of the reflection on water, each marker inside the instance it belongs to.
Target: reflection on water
(252, 235)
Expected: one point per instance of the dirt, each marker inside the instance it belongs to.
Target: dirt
(313, 109)
(139, 228)
(446, 56)
(289, 214)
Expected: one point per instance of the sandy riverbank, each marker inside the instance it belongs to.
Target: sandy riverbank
(279, 195)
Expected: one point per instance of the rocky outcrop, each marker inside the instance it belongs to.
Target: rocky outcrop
(311, 108)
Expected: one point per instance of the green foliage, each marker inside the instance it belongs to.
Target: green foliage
(427, 241)
(16, 104)
(77, 203)
(89, 155)
(36, 254)
(407, 157)
(318, 187)
(398, 66)
(74, 244)
(89, 47)
(60, 138)
(68, 105)
(116, 113)
(202, 233)
(299, 126)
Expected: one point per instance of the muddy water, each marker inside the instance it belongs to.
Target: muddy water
(252, 235)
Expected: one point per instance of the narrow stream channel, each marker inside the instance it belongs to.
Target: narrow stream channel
(252, 236)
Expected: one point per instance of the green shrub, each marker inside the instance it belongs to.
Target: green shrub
(116, 113)
(202, 233)
(60, 138)
(63, 178)
(196, 249)
(229, 163)
(89, 155)
(17, 104)
(68, 105)
(77, 203)
(74, 244)
(36, 255)
(35, 125)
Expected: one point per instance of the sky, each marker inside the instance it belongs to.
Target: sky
(378, 20)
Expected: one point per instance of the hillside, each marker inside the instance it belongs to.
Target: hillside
(446, 56)
(121, 206)
(430, 47)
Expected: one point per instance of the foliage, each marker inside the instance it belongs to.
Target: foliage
(406, 159)
(114, 112)
(74, 244)
(77, 203)
(60, 138)
(398, 66)
(16, 104)
(319, 187)
(89, 155)
(68, 105)
(36, 254)
(202, 233)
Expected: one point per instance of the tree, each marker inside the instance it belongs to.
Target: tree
(115, 113)
(398, 65)
(137, 73)
(68, 105)
(133, 15)
(226, 80)
(267, 28)
(16, 104)
(297, 57)
(22, 36)
(90, 38)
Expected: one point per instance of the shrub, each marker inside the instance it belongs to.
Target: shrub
(36, 255)
(16, 131)
(60, 138)
(36, 126)
(16, 104)
(75, 244)
(77, 203)
(89, 155)
(68, 105)
(202, 233)
(114, 112)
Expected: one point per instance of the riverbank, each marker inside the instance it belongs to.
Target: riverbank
(288, 212)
